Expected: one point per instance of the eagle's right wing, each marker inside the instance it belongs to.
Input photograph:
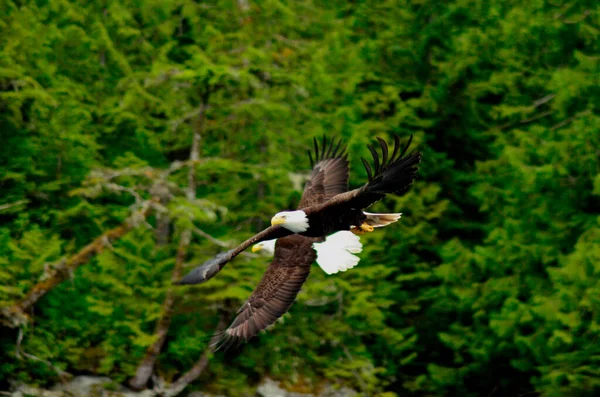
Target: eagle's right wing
(329, 175)
(392, 174)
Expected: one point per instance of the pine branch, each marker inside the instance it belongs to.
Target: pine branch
(360, 380)
(536, 104)
(585, 14)
(14, 316)
(196, 370)
(570, 119)
(221, 243)
(148, 172)
(119, 188)
(19, 353)
(146, 367)
(9, 205)
(210, 238)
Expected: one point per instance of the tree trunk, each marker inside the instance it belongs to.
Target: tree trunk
(193, 373)
(146, 367)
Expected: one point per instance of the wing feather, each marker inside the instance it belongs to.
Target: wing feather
(384, 151)
(329, 175)
(211, 267)
(388, 176)
(275, 293)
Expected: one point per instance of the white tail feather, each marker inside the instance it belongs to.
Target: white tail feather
(336, 253)
(381, 220)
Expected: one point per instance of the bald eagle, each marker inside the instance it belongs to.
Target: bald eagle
(327, 206)
(325, 228)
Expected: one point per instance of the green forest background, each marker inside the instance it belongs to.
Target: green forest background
(140, 138)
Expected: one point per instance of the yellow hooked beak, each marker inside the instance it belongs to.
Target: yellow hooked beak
(256, 247)
(277, 220)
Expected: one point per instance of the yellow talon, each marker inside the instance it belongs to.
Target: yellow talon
(367, 227)
(362, 229)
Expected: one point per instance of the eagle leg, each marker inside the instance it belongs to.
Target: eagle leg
(362, 229)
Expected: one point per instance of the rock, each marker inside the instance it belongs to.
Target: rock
(26, 391)
(84, 386)
(202, 394)
(270, 388)
(96, 386)
(330, 391)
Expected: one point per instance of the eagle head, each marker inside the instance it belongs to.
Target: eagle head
(296, 221)
(268, 247)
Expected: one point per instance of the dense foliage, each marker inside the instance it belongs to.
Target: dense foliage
(489, 283)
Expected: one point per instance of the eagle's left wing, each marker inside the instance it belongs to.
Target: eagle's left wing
(214, 265)
(276, 291)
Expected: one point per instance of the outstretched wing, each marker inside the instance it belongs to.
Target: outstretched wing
(208, 269)
(329, 175)
(391, 175)
(328, 178)
(275, 293)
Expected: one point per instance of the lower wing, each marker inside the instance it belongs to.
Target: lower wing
(275, 293)
(208, 269)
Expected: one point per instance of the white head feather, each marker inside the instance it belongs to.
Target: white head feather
(296, 221)
(268, 247)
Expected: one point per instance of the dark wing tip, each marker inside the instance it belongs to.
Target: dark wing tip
(368, 168)
(326, 149)
(406, 146)
(198, 275)
(220, 340)
(206, 271)
(375, 158)
(397, 159)
(384, 151)
(343, 153)
(396, 148)
(397, 154)
(226, 341)
(329, 149)
(337, 148)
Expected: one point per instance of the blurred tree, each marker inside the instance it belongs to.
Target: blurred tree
(488, 284)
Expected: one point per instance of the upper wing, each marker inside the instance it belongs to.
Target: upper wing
(329, 176)
(276, 291)
(212, 266)
(392, 175)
